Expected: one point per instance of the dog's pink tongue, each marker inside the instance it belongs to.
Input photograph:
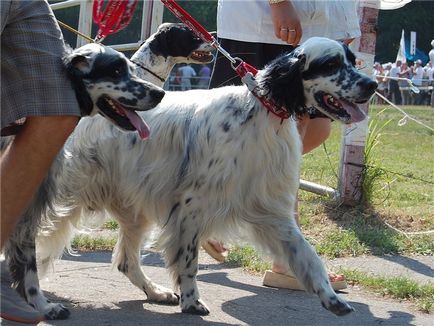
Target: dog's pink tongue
(138, 123)
(356, 113)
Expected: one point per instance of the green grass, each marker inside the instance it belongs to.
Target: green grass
(89, 243)
(248, 258)
(396, 287)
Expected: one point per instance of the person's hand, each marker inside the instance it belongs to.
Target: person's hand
(286, 23)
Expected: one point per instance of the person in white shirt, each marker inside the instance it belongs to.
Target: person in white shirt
(257, 31)
(186, 72)
(394, 92)
(417, 79)
(431, 59)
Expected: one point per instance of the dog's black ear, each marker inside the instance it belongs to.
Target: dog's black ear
(77, 66)
(160, 44)
(282, 82)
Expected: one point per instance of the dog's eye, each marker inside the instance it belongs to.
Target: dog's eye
(119, 71)
(333, 64)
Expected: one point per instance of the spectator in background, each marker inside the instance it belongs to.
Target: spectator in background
(417, 78)
(378, 75)
(186, 72)
(395, 93)
(431, 59)
(405, 72)
(430, 73)
(387, 68)
(204, 76)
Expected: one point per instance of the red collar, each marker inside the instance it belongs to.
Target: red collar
(247, 74)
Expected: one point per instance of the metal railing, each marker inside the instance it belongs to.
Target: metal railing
(152, 16)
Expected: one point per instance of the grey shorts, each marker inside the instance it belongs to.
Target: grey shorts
(33, 79)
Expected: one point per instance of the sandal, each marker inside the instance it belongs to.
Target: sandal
(210, 250)
(284, 281)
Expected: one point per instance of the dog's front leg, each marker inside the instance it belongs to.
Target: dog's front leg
(21, 257)
(183, 256)
(310, 271)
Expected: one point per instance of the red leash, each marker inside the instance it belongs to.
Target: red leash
(115, 17)
(243, 69)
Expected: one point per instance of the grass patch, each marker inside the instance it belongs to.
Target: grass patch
(89, 243)
(247, 258)
(111, 225)
(395, 287)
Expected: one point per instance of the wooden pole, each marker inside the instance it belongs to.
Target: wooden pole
(354, 135)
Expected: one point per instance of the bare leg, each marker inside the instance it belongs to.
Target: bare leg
(26, 162)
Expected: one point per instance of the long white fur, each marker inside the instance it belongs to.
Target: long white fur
(216, 164)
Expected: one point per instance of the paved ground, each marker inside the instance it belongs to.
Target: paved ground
(99, 295)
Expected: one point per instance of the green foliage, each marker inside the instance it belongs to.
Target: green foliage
(375, 179)
(205, 12)
(111, 225)
(340, 243)
(89, 243)
(248, 258)
(395, 287)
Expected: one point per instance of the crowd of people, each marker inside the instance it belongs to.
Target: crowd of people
(394, 82)
(186, 77)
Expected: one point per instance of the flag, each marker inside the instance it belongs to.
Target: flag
(412, 43)
(401, 51)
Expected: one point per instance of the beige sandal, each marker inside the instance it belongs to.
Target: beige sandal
(283, 281)
(210, 250)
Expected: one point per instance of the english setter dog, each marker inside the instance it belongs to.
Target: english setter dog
(217, 163)
(105, 82)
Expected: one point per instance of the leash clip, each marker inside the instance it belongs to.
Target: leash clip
(249, 81)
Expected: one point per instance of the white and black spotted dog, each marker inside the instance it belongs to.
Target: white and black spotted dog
(105, 82)
(217, 163)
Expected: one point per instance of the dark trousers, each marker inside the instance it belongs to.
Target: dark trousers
(395, 94)
(255, 54)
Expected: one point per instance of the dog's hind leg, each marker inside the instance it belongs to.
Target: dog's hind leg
(290, 246)
(126, 257)
(21, 256)
(182, 256)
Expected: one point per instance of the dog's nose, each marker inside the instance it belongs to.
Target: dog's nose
(368, 85)
(157, 94)
(371, 86)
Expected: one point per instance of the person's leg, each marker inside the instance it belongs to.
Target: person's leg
(26, 162)
(23, 165)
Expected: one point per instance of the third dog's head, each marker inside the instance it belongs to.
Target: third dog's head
(104, 82)
(319, 73)
(179, 43)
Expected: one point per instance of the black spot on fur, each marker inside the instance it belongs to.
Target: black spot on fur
(32, 265)
(226, 126)
(132, 136)
(123, 267)
(32, 291)
(188, 200)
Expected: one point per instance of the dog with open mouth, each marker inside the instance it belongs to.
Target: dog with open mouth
(217, 164)
(105, 82)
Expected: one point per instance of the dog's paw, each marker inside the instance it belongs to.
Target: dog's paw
(198, 307)
(56, 311)
(163, 295)
(337, 305)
